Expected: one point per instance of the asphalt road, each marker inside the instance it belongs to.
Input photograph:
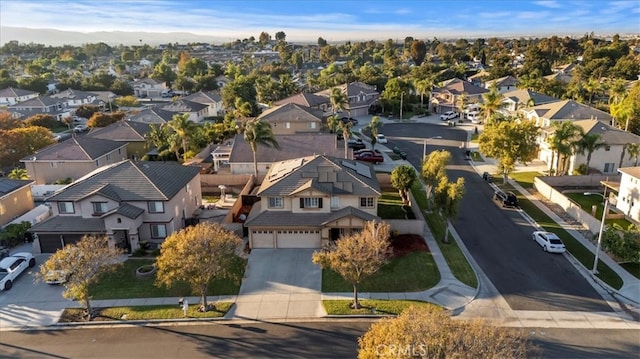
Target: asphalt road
(500, 239)
(335, 339)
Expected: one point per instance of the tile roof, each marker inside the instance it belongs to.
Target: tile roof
(351, 89)
(571, 110)
(131, 181)
(129, 211)
(291, 146)
(152, 115)
(609, 135)
(15, 92)
(122, 131)
(457, 87)
(304, 99)
(66, 224)
(204, 97)
(77, 148)
(183, 105)
(503, 81)
(291, 112)
(523, 96)
(282, 219)
(8, 185)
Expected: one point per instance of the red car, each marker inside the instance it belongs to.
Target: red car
(369, 156)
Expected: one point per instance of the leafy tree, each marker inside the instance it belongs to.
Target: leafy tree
(257, 133)
(43, 120)
(86, 111)
(322, 42)
(281, 36)
(184, 129)
(264, 38)
(402, 178)
(374, 127)
(633, 149)
(434, 169)
(21, 142)
(422, 87)
(127, 101)
(622, 243)
(509, 142)
(101, 119)
(589, 143)
(418, 51)
(83, 262)
(431, 333)
(18, 174)
(357, 256)
(197, 255)
(162, 71)
(563, 141)
(329, 54)
(447, 198)
(461, 103)
(627, 111)
(8, 122)
(242, 88)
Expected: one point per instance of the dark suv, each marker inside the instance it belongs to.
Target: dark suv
(507, 199)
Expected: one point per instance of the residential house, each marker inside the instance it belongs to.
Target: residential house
(153, 115)
(291, 118)
(360, 97)
(567, 110)
(211, 99)
(518, 99)
(444, 98)
(11, 96)
(307, 202)
(129, 202)
(40, 105)
(15, 199)
(240, 158)
(130, 132)
(503, 84)
(76, 98)
(73, 158)
(148, 87)
(629, 194)
(197, 111)
(309, 100)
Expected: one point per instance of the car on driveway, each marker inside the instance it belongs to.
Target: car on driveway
(56, 277)
(507, 199)
(356, 144)
(549, 242)
(369, 156)
(80, 128)
(449, 115)
(11, 267)
(381, 139)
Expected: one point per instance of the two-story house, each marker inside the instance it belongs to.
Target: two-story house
(360, 97)
(291, 118)
(197, 111)
(628, 200)
(513, 101)
(40, 105)
(503, 84)
(309, 100)
(445, 98)
(76, 98)
(15, 199)
(130, 132)
(148, 87)
(129, 202)
(309, 201)
(212, 100)
(153, 115)
(73, 158)
(11, 96)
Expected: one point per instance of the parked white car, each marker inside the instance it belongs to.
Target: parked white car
(449, 115)
(80, 128)
(474, 116)
(382, 139)
(549, 241)
(11, 267)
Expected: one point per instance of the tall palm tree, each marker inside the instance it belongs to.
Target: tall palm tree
(345, 128)
(374, 127)
(257, 133)
(184, 128)
(633, 149)
(338, 100)
(592, 87)
(492, 102)
(422, 87)
(562, 141)
(461, 104)
(617, 91)
(589, 143)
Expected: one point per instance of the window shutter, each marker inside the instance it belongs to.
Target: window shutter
(319, 202)
(301, 202)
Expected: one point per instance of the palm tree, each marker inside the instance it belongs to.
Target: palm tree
(633, 149)
(18, 174)
(589, 143)
(374, 127)
(562, 141)
(338, 100)
(461, 103)
(617, 91)
(345, 128)
(184, 128)
(492, 103)
(257, 133)
(592, 87)
(422, 87)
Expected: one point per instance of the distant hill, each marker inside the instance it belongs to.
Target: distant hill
(58, 37)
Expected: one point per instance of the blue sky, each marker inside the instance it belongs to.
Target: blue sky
(306, 20)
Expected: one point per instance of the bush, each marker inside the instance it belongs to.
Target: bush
(63, 181)
(581, 170)
(14, 233)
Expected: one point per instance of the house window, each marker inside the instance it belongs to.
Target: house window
(607, 148)
(119, 151)
(366, 202)
(158, 231)
(98, 163)
(312, 125)
(99, 207)
(609, 167)
(65, 207)
(287, 125)
(109, 157)
(311, 202)
(335, 202)
(275, 202)
(156, 207)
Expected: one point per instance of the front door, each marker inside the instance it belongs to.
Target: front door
(121, 238)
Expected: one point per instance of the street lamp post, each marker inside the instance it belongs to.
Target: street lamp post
(424, 148)
(604, 216)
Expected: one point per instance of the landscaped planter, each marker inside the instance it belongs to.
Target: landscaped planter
(146, 271)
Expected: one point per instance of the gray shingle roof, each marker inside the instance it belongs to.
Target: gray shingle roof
(122, 131)
(571, 110)
(129, 211)
(305, 99)
(65, 224)
(78, 148)
(184, 106)
(458, 87)
(152, 115)
(293, 220)
(39, 102)
(131, 181)
(8, 185)
(291, 112)
(291, 146)
(15, 92)
(608, 134)
(523, 96)
(204, 97)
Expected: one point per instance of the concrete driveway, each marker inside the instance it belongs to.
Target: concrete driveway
(280, 283)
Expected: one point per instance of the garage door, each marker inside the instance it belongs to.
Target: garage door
(262, 239)
(299, 239)
(49, 243)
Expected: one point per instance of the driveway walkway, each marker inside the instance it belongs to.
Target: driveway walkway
(279, 283)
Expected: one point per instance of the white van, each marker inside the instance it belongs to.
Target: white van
(474, 116)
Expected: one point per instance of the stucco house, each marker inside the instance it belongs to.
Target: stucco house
(568, 110)
(629, 194)
(148, 87)
(309, 201)
(360, 97)
(73, 158)
(503, 84)
(197, 111)
(444, 98)
(518, 99)
(15, 199)
(11, 96)
(292, 118)
(76, 98)
(129, 202)
(309, 100)
(130, 132)
(211, 99)
(41, 105)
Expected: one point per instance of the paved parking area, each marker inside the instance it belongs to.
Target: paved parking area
(280, 283)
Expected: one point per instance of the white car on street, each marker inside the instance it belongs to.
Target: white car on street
(381, 139)
(11, 267)
(549, 242)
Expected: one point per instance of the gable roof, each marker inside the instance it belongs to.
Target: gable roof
(152, 115)
(204, 97)
(8, 185)
(458, 87)
(291, 112)
(609, 135)
(131, 181)
(15, 92)
(122, 131)
(631, 171)
(40, 101)
(502, 81)
(73, 94)
(570, 110)
(523, 96)
(291, 146)
(304, 99)
(329, 175)
(77, 148)
(351, 89)
(271, 218)
(183, 105)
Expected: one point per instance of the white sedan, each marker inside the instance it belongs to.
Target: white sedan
(11, 267)
(381, 139)
(449, 115)
(549, 242)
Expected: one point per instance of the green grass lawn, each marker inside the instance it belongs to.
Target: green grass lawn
(586, 202)
(147, 312)
(411, 273)
(525, 179)
(372, 306)
(452, 253)
(474, 138)
(476, 157)
(123, 283)
(390, 206)
(393, 156)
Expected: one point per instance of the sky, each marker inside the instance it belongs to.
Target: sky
(334, 20)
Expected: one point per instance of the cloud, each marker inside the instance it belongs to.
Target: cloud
(551, 4)
(402, 11)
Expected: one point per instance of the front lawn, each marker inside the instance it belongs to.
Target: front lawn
(147, 312)
(413, 272)
(586, 202)
(372, 306)
(123, 283)
(390, 206)
(525, 179)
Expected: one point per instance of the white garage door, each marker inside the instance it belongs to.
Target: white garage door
(299, 239)
(262, 239)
